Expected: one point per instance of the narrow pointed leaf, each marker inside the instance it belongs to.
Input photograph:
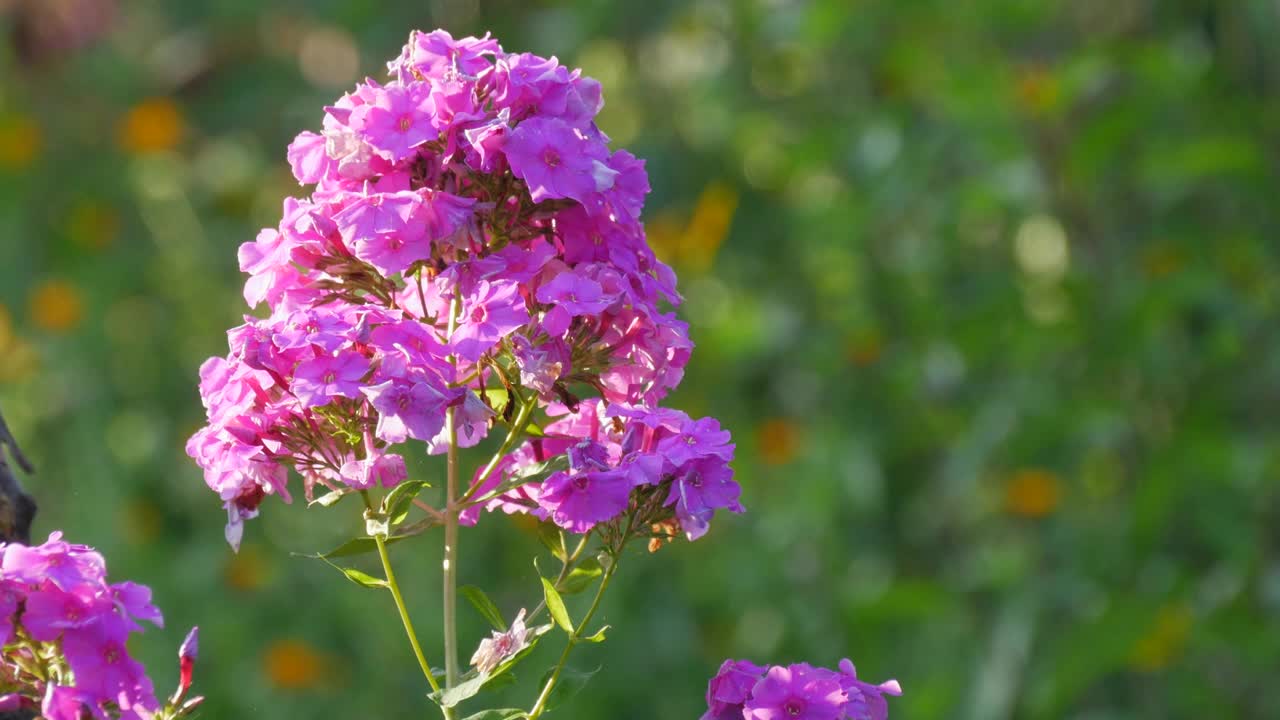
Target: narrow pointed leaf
(481, 602)
(555, 604)
(581, 577)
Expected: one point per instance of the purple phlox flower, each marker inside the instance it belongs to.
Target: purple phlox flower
(67, 566)
(421, 345)
(321, 327)
(631, 184)
(379, 469)
(456, 106)
(490, 314)
(700, 488)
(134, 601)
(502, 645)
(319, 380)
(353, 156)
(866, 701)
(407, 410)
(541, 366)
(267, 260)
(398, 120)
(796, 692)
(730, 688)
(308, 159)
(443, 214)
(557, 161)
(437, 55)
(523, 78)
(104, 669)
(569, 295)
(63, 702)
(587, 495)
(11, 702)
(471, 417)
(486, 142)
(521, 264)
(380, 214)
(697, 439)
(392, 252)
(51, 611)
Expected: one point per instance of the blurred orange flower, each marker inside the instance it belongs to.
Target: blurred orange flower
(694, 248)
(1032, 493)
(151, 126)
(56, 305)
(295, 665)
(779, 441)
(20, 142)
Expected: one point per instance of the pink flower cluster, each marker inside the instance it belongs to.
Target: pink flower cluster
(614, 449)
(470, 231)
(65, 632)
(742, 690)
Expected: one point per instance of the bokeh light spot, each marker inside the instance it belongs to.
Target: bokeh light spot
(20, 142)
(153, 125)
(295, 665)
(1032, 493)
(56, 305)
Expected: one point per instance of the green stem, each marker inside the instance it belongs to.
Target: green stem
(564, 573)
(540, 706)
(451, 510)
(518, 425)
(404, 614)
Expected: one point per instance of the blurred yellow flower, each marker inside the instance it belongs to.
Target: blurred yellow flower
(694, 247)
(93, 225)
(779, 440)
(56, 305)
(1032, 493)
(245, 570)
(20, 142)
(17, 356)
(151, 126)
(295, 665)
(1164, 641)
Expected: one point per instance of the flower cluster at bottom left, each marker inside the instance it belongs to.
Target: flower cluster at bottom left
(65, 630)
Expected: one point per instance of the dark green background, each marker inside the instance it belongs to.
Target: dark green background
(993, 320)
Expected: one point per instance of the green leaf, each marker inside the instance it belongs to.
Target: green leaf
(570, 683)
(581, 577)
(481, 602)
(396, 504)
(360, 578)
(555, 605)
(553, 539)
(329, 498)
(503, 714)
(463, 690)
(598, 637)
(356, 576)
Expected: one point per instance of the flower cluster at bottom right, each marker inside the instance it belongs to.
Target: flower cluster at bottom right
(742, 690)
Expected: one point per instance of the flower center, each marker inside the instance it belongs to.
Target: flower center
(580, 482)
(329, 377)
(478, 314)
(406, 122)
(695, 479)
(551, 157)
(794, 707)
(395, 242)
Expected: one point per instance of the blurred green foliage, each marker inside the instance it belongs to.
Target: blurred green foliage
(987, 292)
